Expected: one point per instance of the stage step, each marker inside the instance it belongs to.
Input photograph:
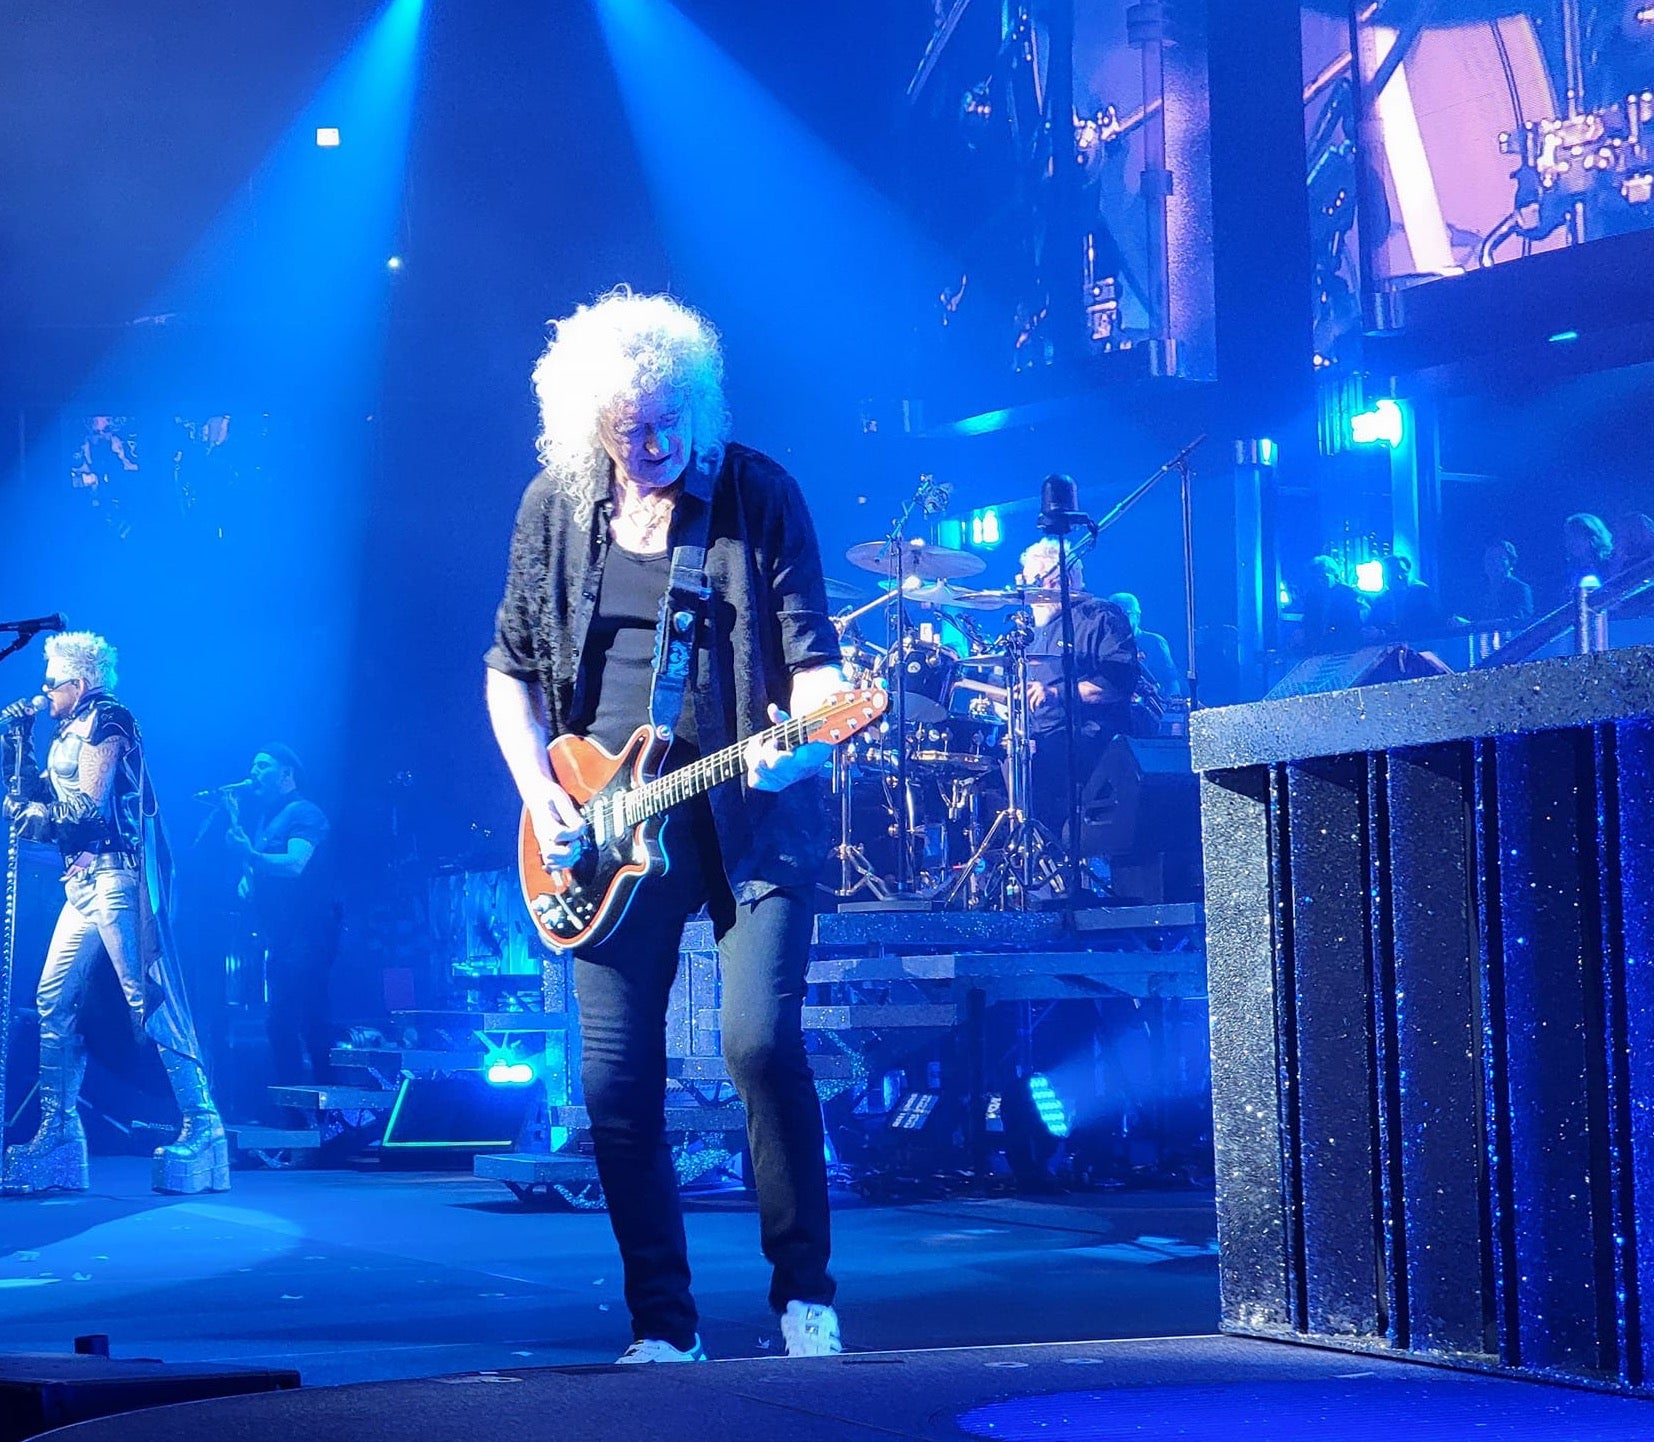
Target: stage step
(333, 1098)
(879, 1016)
(528, 1174)
(419, 1060)
(274, 1139)
(520, 1022)
(827, 1066)
(729, 1118)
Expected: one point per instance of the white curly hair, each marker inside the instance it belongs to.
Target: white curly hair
(83, 656)
(606, 356)
(1039, 562)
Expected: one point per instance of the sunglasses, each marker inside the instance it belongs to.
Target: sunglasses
(50, 686)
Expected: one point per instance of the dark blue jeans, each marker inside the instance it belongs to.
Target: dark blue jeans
(622, 987)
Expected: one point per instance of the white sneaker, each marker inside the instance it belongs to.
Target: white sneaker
(652, 1349)
(811, 1330)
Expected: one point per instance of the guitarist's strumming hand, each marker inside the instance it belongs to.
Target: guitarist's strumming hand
(769, 768)
(558, 827)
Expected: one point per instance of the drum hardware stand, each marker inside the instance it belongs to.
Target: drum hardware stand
(1023, 844)
(855, 870)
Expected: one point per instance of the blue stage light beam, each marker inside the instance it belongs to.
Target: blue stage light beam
(300, 256)
(277, 319)
(771, 231)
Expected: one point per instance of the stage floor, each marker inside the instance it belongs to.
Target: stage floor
(1202, 1389)
(369, 1276)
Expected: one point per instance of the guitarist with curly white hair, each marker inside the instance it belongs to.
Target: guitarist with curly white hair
(664, 623)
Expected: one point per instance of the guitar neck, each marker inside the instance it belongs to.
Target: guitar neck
(702, 775)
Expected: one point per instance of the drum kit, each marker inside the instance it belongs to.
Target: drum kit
(935, 805)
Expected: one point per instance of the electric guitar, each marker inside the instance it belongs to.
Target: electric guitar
(624, 802)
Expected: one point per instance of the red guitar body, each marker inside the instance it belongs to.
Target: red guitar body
(582, 904)
(624, 804)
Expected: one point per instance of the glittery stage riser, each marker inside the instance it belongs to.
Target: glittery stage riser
(1430, 949)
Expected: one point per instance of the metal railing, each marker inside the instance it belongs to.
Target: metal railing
(1584, 616)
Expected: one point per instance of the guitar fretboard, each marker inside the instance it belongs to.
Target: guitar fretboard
(655, 797)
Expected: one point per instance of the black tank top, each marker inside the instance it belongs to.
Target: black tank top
(616, 667)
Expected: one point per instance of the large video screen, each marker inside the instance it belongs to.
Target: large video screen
(1493, 129)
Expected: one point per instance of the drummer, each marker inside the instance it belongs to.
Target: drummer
(1105, 674)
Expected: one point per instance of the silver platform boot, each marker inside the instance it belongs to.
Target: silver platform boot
(55, 1158)
(199, 1161)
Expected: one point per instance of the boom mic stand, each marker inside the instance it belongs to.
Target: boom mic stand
(1185, 474)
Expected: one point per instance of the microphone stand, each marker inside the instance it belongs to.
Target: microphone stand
(14, 748)
(25, 634)
(1185, 474)
(1058, 524)
(897, 552)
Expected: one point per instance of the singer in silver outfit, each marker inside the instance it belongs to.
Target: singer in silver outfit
(93, 800)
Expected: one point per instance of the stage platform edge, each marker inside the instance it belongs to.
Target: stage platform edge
(1191, 1388)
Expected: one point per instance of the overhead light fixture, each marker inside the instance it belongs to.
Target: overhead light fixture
(327, 137)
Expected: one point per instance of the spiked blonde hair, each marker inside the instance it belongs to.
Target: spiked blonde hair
(83, 656)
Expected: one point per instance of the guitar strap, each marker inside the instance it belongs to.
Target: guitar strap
(681, 608)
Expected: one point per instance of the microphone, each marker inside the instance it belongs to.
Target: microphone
(1059, 506)
(54, 622)
(934, 497)
(25, 710)
(216, 793)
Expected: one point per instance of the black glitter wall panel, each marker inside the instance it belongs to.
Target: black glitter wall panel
(1331, 1044)
(1235, 815)
(1432, 1111)
(1430, 915)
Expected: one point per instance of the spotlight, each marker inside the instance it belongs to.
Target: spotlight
(394, 263)
(1033, 1120)
(1562, 337)
(1047, 1105)
(510, 1074)
(1369, 577)
(327, 137)
(1384, 424)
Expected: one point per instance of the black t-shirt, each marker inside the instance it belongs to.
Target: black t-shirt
(617, 668)
(295, 905)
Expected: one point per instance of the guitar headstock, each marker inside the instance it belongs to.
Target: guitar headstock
(846, 713)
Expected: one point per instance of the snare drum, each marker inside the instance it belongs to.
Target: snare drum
(964, 745)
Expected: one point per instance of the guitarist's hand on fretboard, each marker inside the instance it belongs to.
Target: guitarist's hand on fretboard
(769, 768)
(558, 827)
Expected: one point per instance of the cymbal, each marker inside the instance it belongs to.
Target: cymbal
(928, 563)
(987, 659)
(843, 590)
(925, 593)
(1013, 596)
